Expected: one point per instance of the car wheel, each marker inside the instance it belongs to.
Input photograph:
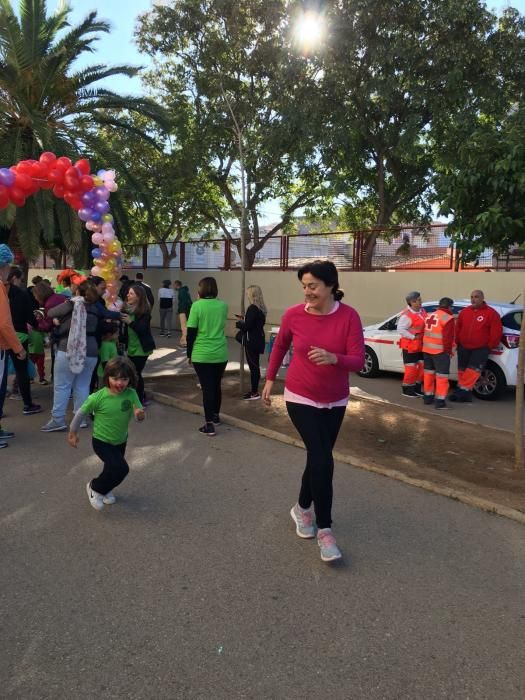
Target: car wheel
(491, 384)
(371, 366)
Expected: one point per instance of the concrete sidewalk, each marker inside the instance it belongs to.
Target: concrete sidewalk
(194, 584)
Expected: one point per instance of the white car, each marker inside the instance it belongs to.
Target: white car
(382, 351)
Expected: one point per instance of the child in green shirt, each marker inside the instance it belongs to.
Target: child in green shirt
(37, 354)
(113, 407)
(107, 351)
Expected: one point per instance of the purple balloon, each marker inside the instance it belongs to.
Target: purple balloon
(101, 207)
(88, 198)
(101, 192)
(84, 214)
(7, 177)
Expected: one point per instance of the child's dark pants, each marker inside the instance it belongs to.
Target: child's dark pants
(115, 466)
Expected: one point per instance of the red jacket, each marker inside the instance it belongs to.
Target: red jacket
(478, 328)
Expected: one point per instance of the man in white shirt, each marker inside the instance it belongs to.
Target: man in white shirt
(166, 296)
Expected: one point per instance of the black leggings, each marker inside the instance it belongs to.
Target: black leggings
(318, 428)
(140, 362)
(253, 358)
(22, 376)
(210, 377)
(115, 466)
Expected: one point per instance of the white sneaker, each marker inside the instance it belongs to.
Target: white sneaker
(304, 522)
(96, 500)
(109, 499)
(329, 549)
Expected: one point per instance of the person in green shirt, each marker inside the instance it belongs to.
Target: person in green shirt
(207, 349)
(107, 351)
(37, 354)
(113, 407)
(138, 339)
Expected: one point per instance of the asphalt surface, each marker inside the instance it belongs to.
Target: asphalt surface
(194, 585)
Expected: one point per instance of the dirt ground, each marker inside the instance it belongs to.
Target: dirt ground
(463, 456)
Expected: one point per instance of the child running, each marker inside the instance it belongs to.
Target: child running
(113, 407)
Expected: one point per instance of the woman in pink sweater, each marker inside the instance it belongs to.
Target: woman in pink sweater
(327, 340)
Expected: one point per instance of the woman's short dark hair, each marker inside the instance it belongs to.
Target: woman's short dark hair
(208, 288)
(89, 291)
(14, 272)
(120, 368)
(326, 271)
(42, 292)
(96, 280)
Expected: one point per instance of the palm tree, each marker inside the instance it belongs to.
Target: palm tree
(45, 104)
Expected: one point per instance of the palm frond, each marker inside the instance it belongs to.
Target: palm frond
(70, 226)
(28, 229)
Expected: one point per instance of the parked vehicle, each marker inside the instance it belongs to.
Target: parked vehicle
(382, 350)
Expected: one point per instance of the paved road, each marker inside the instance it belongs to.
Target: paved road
(194, 584)
(387, 387)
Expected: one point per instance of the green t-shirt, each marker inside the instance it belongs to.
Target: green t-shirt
(209, 317)
(113, 413)
(36, 343)
(106, 352)
(134, 345)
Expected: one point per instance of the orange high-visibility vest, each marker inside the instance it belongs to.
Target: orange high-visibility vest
(433, 335)
(417, 327)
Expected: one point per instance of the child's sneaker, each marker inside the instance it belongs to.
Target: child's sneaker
(6, 434)
(43, 382)
(304, 522)
(109, 499)
(96, 500)
(329, 549)
(208, 429)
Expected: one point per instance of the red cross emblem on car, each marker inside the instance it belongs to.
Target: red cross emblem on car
(431, 322)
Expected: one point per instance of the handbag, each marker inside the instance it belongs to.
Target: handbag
(240, 337)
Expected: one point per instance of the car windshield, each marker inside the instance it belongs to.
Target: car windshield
(512, 321)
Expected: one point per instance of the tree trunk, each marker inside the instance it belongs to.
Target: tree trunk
(518, 415)
(168, 254)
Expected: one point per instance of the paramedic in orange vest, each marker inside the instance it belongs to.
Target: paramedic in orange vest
(411, 325)
(478, 330)
(438, 341)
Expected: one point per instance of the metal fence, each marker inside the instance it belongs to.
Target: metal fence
(402, 248)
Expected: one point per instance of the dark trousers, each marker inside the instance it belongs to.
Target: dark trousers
(140, 362)
(253, 359)
(475, 359)
(22, 376)
(318, 428)
(210, 377)
(115, 466)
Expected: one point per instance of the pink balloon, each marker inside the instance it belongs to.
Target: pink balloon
(95, 270)
(109, 237)
(108, 228)
(97, 238)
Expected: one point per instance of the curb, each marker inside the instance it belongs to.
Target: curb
(455, 494)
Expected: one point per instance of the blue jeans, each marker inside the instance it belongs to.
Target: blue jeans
(65, 382)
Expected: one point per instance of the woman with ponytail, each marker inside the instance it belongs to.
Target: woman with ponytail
(327, 340)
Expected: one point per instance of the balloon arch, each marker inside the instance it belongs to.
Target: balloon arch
(87, 193)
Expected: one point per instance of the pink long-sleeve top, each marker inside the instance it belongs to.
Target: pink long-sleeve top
(340, 332)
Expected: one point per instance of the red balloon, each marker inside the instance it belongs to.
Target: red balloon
(71, 182)
(63, 164)
(38, 170)
(4, 197)
(56, 177)
(86, 183)
(48, 157)
(23, 167)
(59, 191)
(83, 166)
(17, 196)
(23, 181)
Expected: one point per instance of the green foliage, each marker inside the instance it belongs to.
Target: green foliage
(42, 96)
(485, 189)
(215, 59)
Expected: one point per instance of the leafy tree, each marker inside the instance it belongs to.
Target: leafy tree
(162, 193)
(396, 74)
(42, 96)
(485, 189)
(232, 67)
